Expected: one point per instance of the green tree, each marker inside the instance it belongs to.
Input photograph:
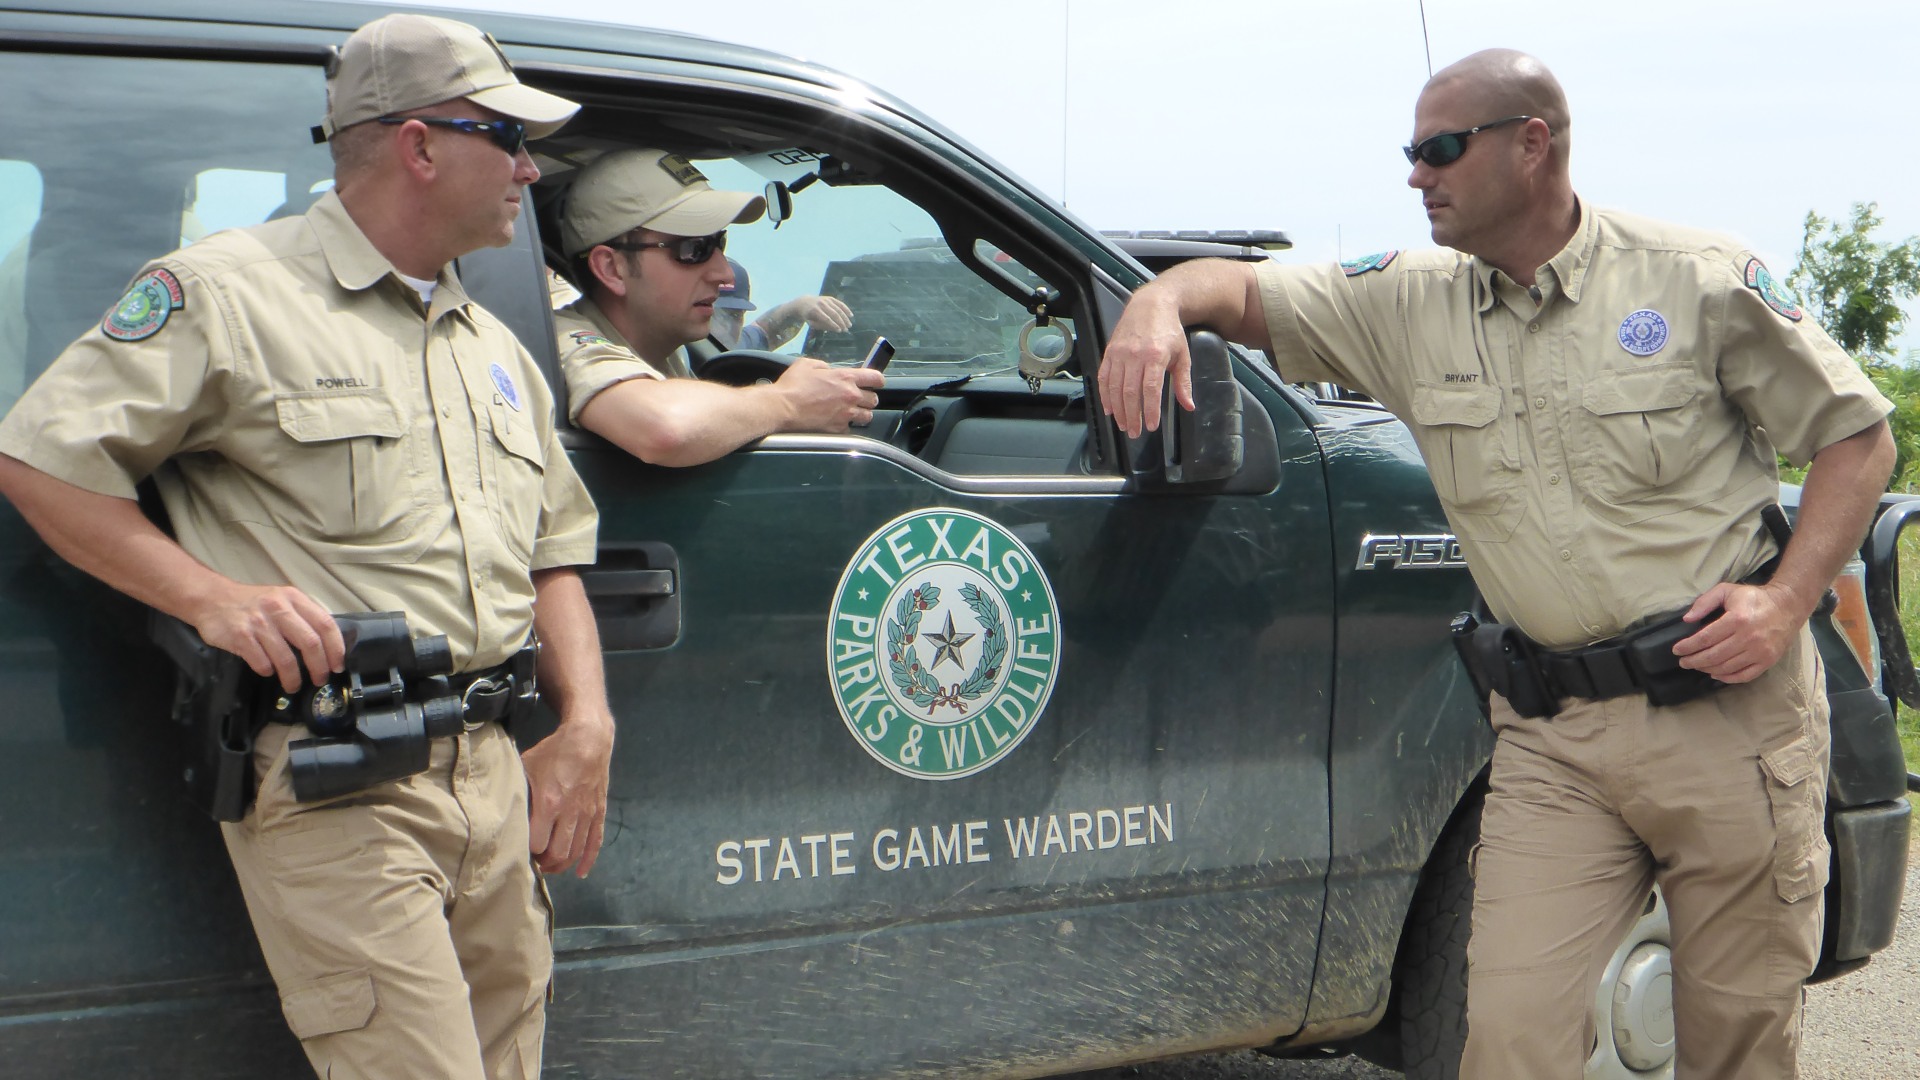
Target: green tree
(1853, 285)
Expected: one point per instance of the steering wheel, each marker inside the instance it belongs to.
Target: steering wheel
(744, 367)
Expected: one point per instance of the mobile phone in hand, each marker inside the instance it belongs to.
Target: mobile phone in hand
(879, 356)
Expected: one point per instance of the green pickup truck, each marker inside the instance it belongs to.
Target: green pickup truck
(982, 741)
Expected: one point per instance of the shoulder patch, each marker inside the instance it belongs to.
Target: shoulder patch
(1778, 296)
(1379, 260)
(144, 310)
(587, 337)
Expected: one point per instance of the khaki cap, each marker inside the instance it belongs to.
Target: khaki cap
(630, 189)
(403, 62)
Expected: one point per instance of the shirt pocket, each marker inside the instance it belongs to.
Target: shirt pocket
(514, 465)
(1462, 431)
(1642, 434)
(357, 482)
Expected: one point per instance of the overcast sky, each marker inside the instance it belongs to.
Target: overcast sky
(1172, 114)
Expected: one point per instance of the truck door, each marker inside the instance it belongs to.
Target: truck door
(944, 726)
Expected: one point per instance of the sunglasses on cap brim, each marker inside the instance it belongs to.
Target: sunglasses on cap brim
(688, 250)
(1446, 147)
(508, 135)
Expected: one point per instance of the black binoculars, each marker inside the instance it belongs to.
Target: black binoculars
(375, 721)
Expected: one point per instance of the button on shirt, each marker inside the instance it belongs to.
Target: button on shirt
(593, 355)
(308, 421)
(1602, 443)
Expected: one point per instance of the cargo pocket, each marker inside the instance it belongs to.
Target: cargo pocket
(1474, 470)
(327, 1006)
(1794, 792)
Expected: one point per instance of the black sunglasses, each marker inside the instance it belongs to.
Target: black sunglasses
(508, 135)
(1446, 147)
(690, 250)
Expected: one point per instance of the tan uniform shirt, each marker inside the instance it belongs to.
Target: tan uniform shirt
(309, 422)
(593, 355)
(1603, 449)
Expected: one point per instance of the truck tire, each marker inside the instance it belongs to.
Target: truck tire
(1430, 972)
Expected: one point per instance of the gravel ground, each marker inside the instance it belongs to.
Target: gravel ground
(1864, 1026)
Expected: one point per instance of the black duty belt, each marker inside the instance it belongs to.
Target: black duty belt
(1534, 680)
(487, 695)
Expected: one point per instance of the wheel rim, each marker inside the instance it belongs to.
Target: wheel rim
(1633, 1004)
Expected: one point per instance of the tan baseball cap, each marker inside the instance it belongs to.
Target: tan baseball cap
(630, 189)
(403, 62)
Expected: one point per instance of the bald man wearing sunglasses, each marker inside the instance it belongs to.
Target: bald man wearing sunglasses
(1599, 399)
(647, 238)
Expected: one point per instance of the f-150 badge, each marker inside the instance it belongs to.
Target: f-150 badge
(1425, 551)
(943, 643)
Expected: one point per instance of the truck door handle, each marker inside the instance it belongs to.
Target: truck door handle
(636, 583)
(634, 587)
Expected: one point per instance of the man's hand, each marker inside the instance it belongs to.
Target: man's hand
(1756, 625)
(1149, 345)
(567, 771)
(827, 399)
(275, 629)
(1843, 484)
(567, 776)
(822, 313)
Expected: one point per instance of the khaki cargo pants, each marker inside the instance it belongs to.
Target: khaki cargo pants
(405, 926)
(1720, 800)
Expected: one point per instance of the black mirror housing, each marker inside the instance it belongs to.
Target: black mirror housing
(1207, 443)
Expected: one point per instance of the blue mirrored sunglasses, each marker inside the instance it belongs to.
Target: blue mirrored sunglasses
(508, 135)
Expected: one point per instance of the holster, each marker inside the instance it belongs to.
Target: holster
(214, 702)
(1502, 660)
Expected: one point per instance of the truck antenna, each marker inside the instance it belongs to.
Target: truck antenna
(1425, 39)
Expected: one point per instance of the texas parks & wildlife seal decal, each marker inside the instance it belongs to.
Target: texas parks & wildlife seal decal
(943, 643)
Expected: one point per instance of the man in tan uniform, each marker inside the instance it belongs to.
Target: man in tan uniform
(1598, 398)
(647, 237)
(335, 427)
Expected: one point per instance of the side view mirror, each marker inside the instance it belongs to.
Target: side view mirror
(1882, 553)
(1207, 443)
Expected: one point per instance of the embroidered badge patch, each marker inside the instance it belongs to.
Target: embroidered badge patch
(1644, 332)
(504, 383)
(583, 338)
(1379, 260)
(1778, 296)
(144, 310)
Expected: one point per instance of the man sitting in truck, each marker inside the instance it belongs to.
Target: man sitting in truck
(646, 236)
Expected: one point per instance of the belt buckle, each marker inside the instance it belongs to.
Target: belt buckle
(485, 685)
